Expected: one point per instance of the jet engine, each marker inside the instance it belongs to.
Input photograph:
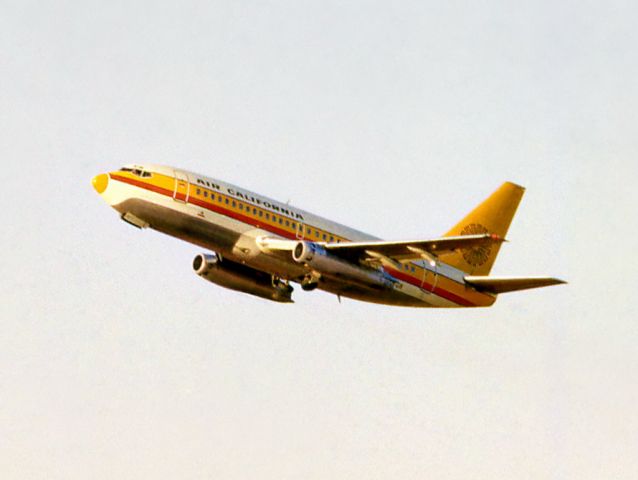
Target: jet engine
(236, 276)
(328, 265)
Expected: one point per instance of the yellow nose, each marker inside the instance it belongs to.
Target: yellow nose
(100, 182)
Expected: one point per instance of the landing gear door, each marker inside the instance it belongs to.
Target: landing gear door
(182, 188)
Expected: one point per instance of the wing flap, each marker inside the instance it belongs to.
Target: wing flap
(510, 284)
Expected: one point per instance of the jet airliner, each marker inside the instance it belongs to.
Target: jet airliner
(260, 246)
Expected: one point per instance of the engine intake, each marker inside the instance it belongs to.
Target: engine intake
(241, 278)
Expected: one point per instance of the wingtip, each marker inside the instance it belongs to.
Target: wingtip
(497, 238)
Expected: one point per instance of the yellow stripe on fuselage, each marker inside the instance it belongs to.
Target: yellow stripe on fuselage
(285, 226)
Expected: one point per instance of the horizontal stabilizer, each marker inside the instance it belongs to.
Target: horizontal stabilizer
(510, 284)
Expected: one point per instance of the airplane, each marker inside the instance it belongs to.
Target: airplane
(257, 245)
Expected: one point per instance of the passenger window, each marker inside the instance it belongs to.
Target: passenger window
(287, 223)
(332, 239)
(261, 214)
(267, 216)
(324, 236)
(199, 192)
(316, 234)
(241, 206)
(205, 194)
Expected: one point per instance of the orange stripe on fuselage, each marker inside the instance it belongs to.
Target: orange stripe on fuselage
(213, 207)
(451, 292)
(431, 288)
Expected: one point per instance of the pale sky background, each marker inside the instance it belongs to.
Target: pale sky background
(116, 361)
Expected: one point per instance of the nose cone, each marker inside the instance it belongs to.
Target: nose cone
(100, 182)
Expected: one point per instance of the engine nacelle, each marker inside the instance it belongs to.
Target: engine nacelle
(236, 276)
(317, 258)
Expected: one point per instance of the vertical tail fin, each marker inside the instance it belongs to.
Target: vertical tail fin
(493, 215)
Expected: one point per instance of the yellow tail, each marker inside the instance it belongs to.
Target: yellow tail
(493, 215)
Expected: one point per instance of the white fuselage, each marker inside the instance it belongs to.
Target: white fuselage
(230, 220)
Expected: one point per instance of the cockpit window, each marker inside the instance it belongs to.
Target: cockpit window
(136, 171)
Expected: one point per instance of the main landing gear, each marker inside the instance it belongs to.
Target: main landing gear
(281, 284)
(310, 282)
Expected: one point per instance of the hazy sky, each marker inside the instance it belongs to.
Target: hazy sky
(116, 361)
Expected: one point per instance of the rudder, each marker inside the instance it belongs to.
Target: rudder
(493, 215)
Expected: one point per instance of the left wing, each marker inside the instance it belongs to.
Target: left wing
(410, 250)
(391, 251)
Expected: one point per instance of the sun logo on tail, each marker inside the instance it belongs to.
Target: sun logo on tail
(476, 256)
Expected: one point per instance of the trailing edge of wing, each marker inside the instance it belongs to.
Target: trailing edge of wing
(412, 250)
(510, 284)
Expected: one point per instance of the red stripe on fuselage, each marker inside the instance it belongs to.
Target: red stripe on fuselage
(208, 206)
(284, 233)
(428, 287)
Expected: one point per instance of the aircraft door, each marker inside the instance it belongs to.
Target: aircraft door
(436, 275)
(299, 232)
(425, 273)
(430, 275)
(182, 188)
